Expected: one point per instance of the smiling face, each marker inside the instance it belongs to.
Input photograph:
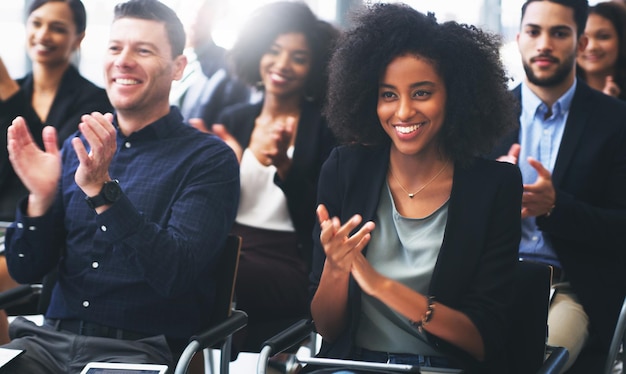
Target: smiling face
(139, 68)
(602, 50)
(285, 67)
(548, 44)
(51, 34)
(411, 105)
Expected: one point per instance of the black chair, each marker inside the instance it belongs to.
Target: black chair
(226, 321)
(527, 351)
(619, 340)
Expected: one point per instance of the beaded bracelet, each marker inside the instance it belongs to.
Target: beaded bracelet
(428, 315)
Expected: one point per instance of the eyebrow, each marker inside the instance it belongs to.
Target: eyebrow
(413, 85)
(552, 28)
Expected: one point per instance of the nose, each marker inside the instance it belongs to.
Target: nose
(124, 58)
(544, 42)
(42, 33)
(282, 61)
(405, 109)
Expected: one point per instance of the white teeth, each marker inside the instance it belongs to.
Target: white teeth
(408, 129)
(43, 48)
(126, 81)
(278, 77)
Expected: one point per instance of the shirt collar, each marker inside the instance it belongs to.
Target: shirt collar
(159, 129)
(531, 103)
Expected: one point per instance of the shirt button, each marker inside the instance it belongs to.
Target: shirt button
(535, 238)
(95, 264)
(546, 132)
(86, 304)
(127, 144)
(103, 228)
(20, 225)
(32, 228)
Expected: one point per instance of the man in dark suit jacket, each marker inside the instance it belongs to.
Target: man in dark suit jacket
(571, 149)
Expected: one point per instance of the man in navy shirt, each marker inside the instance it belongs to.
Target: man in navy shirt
(132, 213)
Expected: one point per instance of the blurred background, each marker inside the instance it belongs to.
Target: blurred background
(499, 16)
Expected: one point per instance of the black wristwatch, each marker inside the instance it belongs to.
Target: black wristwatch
(110, 193)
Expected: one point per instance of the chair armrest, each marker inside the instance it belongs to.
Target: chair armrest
(19, 295)
(291, 336)
(235, 322)
(555, 361)
(217, 333)
(285, 339)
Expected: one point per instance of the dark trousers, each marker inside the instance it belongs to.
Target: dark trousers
(54, 352)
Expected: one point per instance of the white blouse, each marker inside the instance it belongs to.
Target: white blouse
(262, 204)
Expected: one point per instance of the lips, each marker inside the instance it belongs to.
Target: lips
(544, 60)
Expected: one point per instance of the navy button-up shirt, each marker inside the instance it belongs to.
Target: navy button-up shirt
(145, 264)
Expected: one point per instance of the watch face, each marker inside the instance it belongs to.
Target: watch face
(111, 191)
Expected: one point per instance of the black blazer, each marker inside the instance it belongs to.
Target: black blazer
(588, 225)
(75, 97)
(474, 270)
(313, 143)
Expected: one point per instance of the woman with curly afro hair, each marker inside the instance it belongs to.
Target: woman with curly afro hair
(418, 235)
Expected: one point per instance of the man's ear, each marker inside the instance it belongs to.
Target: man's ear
(582, 42)
(180, 62)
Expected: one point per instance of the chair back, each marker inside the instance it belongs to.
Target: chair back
(528, 315)
(226, 273)
(619, 339)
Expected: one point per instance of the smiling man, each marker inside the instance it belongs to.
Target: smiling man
(131, 213)
(571, 149)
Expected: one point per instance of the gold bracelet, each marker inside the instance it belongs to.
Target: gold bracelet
(428, 315)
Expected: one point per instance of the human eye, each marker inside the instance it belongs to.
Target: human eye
(421, 94)
(59, 29)
(114, 48)
(301, 59)
(532, 32)
(387, 95)
(144, 51)
(561, 34)
(604, 36)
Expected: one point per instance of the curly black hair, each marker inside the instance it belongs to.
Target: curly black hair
(479, 106)
(275, 19)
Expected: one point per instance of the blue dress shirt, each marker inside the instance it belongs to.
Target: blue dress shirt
(541, 132)
(145, 264)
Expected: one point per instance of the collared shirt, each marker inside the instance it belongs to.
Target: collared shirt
(541, 132)
(145, 264)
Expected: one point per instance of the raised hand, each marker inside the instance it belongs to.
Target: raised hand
(270, 141)
(538, 198)
(610, 87)
(339, 246)
(39, 170)
(93, 169)
(512, 156)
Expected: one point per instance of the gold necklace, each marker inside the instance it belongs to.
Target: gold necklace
(411, 195)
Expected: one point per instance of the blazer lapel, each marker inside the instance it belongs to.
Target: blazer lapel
(576, 120)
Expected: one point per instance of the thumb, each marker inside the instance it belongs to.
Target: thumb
(515, 150)
(541, 170)
(49, 135)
